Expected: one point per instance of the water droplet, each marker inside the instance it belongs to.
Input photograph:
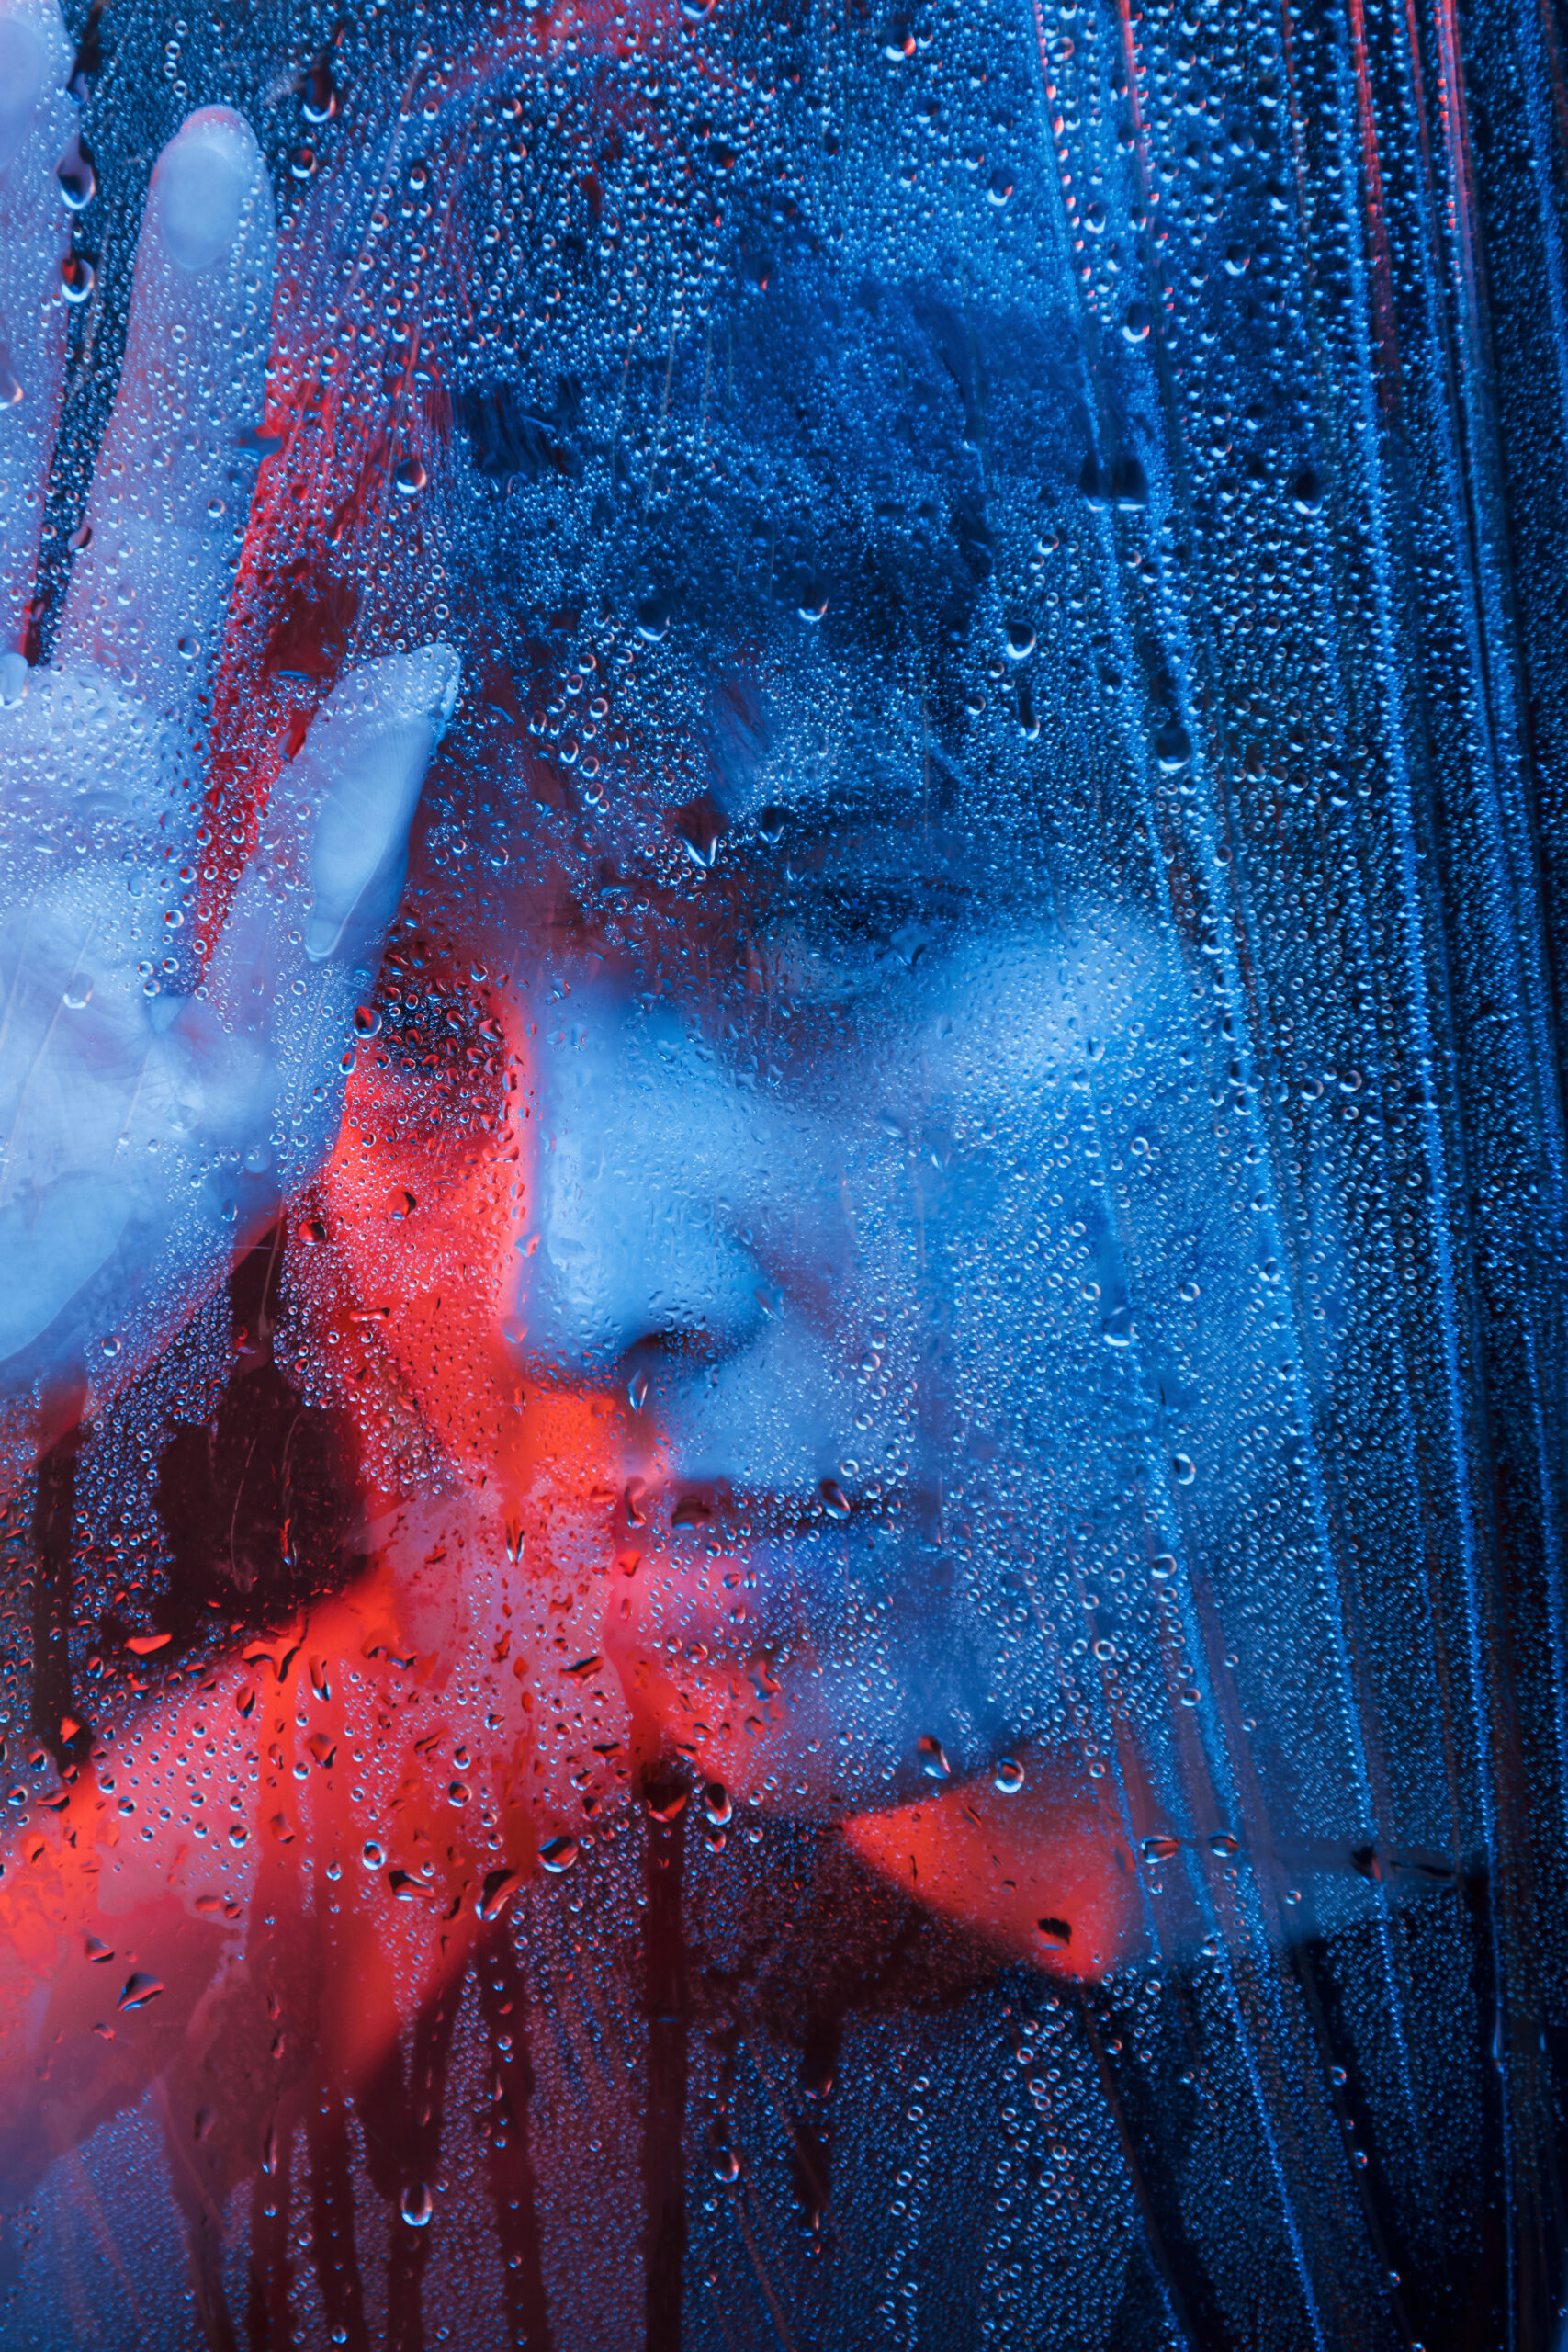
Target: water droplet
(1008, 1777)
(1307, 491)
(1160, 1848)
(813, 605)
(770, 823)
(373, 1855)
(10, 382)
(319, 97)
(1137, 325)
(1173, 748)
(367, 1022)
(726, 2166)
(700, 826)
(1000, 188)
(933, 1761)
(77, 991)
(78, 180)
(499, 1888)
(13, 676)
(1224, 1844)
(417, 2205)
(302, 162)
(1020, 640)
(76, 277)
(835, 1502)
(138, 1990)
(717, 1805)
(409, 477)
(652, 618)
(557, 1854)
(1183, 1469)
(637, 1396)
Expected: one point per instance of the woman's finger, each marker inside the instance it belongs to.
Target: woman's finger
(169, 498)
(35, 122)
(304, 936)
(361, 769)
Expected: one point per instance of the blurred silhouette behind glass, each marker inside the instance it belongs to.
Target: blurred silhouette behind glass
(848, 1627)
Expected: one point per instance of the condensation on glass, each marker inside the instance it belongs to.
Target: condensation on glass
(785, 1495)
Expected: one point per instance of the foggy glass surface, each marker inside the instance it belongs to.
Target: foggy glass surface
(782, 1370)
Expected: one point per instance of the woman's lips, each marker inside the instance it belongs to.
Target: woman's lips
(811, 1649)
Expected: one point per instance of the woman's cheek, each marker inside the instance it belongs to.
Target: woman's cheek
(426, 1238)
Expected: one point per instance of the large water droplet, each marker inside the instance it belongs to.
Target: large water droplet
(319, 97)
(78, 180)
(417, 2205)
(1173, 748)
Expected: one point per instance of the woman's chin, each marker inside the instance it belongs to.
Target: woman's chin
(1044, 1874)
(1043, 1871)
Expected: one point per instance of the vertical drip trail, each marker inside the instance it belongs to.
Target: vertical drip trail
(1420, 951)
(54, 1511)
(668, 1998)
(514, 2185)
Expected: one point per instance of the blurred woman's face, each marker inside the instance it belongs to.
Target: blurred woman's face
(859, 1199)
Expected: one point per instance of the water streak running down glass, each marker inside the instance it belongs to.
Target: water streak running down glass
(782, 1176)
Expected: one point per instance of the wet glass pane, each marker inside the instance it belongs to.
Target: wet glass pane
(782, 1176)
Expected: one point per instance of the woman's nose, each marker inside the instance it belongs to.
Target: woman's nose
(645, 1159)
